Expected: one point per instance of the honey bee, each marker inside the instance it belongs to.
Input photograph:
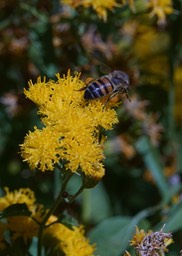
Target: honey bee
(116, 82)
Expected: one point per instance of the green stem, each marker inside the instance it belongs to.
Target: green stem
(86, 207)
(50, 212)
(72, 197)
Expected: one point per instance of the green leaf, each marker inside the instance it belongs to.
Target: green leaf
(96, 205)
(112, 235)
(173, 221)
(153, 162)
(67, 220)
(15, 210)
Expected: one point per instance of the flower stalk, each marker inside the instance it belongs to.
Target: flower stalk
(50, 212)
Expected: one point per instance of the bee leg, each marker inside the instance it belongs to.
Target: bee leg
(127, 95)
(110, 97)
(107, 100)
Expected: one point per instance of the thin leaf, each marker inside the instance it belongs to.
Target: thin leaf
(173, 221)
(96, 205)
(154, 164)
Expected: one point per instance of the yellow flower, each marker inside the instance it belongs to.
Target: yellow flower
(23, 195)
(138, 237)
(39, 92)
(149, 42)
(149, 46)
(70, 242)
(41, 148)
(100, 6)
(160, 8)
(131, 4)
(71, 131)
(22, 226)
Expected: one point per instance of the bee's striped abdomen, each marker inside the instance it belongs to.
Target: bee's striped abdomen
(98, 88)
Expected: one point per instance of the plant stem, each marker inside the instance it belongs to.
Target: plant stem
(50, 212)
(86, 206)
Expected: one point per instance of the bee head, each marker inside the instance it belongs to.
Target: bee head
(120, 77)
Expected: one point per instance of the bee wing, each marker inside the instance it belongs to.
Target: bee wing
(103, 67)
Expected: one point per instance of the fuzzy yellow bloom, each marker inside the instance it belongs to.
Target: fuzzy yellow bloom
(100, 6)
(149, 46)
(160, 8)
(137, 237)
(131, 4)
(22, 226)
(149, 43)
(23, 195)
(71, 127)
(41, 149)
(71, 242)
(25, 226)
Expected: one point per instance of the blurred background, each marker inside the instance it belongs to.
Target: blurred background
(144, 151)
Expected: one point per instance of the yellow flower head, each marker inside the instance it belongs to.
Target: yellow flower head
(41, 148)
(23, 195)
(22, 226)
(160, 8)
(70, 242)
(71, 132)
(100, 6)
(137, 237)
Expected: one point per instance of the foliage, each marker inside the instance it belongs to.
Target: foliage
(137, 143)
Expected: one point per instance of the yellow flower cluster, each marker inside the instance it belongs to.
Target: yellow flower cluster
(71, 242)
(22, 226)
(160, 8)
(100, 6)
(71, 127)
